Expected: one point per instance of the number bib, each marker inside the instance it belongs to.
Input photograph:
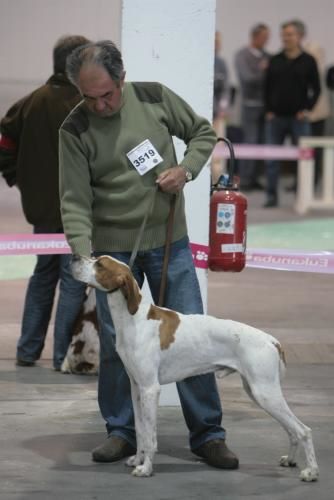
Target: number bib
(144, 157)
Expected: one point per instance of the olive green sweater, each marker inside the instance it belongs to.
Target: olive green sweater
(103, 198)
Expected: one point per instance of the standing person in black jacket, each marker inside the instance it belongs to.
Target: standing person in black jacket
(292, 88)
(29, 160)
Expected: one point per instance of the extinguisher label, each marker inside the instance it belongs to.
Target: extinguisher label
(233, 248)
(225, 218)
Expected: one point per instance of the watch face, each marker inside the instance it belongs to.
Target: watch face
(189, 175)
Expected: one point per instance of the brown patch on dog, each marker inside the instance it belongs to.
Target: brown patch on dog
(78, 346)
(112, 274)
(280, 352)
(84, 367)
(168, 326)
(90, 316)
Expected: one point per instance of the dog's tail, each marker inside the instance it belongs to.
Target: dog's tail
(282, 359)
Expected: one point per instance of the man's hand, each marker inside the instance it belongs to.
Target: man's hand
(301, 115)
(270, 116)
(172, 180)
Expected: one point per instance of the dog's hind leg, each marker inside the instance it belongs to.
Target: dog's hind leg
(149, 398)
(287, 460)
(269, 396)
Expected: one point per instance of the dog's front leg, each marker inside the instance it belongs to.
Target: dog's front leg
(137, 459)
(149, 398)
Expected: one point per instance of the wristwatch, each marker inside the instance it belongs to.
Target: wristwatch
(189, 175)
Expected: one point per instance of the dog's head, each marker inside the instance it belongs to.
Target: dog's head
(108, 274)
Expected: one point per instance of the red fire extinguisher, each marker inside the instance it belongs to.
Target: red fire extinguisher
(228, 218)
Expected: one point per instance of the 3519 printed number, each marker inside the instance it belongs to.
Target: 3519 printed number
(141, 159)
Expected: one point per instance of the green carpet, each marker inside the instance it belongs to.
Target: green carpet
(312, 234)
(16, 266)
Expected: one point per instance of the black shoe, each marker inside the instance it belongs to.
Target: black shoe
(22, 362)
(257, 186)
(271, 202)
(217, 454)
(251, 186)
(291, 189)
(113, 449)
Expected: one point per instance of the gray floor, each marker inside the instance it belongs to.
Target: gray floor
(50, 422)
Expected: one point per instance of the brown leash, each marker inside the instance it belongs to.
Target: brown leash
(169, 236)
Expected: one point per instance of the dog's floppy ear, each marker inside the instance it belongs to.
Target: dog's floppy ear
(130, 290)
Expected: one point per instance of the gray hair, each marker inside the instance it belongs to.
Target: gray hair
(258, 28)
(63, 48)
(103, 53)
(298, 25)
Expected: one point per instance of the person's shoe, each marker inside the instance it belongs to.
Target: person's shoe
(245, 187)
(251, 186)
(22, 362)
(113, 449)
(291, 189)
(257, 186)
(271, 202)
(217, 454)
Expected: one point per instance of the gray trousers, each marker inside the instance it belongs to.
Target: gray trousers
(252, 121)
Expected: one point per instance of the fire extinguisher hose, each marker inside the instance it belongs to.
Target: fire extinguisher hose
(231, 167)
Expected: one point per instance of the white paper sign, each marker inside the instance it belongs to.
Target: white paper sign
(225, 218)
(144, 157)
(233, 248)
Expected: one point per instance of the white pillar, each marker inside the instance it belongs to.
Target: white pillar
(173, 42)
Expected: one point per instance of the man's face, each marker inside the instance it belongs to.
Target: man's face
(291, 38)
(102, 95)
(261, 38)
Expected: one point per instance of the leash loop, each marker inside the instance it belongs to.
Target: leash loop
(169, 235)
(141, 230)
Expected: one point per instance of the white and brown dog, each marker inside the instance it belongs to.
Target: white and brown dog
(159, 346)
(83, 353)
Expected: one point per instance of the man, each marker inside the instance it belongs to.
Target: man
(220, 81)
(251, 64)
(119, 132)
(221, 98)
(292, 88)
(29, 160)
(321, 111)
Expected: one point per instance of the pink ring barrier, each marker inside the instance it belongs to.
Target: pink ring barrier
(263, 152)
(274, 259)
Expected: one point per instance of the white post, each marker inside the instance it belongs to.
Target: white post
(306, 199)
(328, 175)
(305, 183)
(173, 43)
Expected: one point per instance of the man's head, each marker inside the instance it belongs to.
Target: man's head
(259, 36)
(63, 48)
(292, 33)
(218, 42)
(97, 70)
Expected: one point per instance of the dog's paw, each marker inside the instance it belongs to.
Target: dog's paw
(133, 461)
(309, 474)
(65, 367)
(286, 462)
(142, 471)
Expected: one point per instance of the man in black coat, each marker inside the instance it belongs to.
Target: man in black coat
(292, 88)
(29, 160)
